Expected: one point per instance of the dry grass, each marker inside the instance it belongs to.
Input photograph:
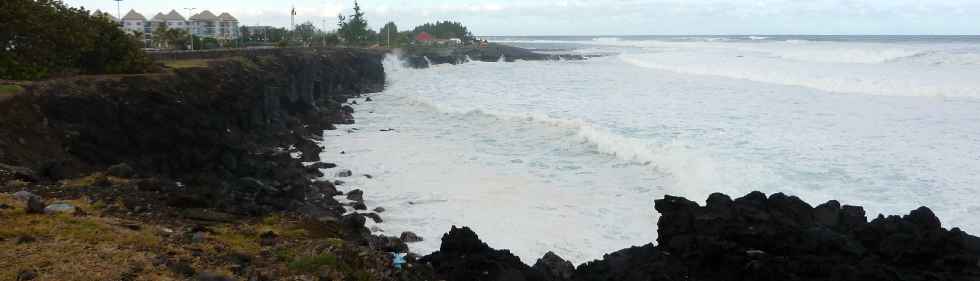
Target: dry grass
(82, 248)
(99, 247)
(95, 179)
(7, 91)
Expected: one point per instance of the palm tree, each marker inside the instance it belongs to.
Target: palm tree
(160, 36)
(177, 38)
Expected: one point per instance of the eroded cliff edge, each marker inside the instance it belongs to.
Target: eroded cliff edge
(206, 170)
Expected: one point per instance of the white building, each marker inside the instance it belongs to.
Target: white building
(204, 24)
(228, 26)
(172, 20)
(134, 22)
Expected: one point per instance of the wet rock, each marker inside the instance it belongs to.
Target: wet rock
(367, 99)
(356, 195)
(374, 217)
(368, 176)
(345, 173)
(326, 188)
(379, 209)
(353, 220)
(60, 208)
(121, 170)
(321, 165)
(359, 206)
(338, 182)
(554, 267)
(410, 237)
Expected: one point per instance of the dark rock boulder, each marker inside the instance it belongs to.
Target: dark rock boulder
(35, 205)
(554, 267)
(644, 263)
(374, 217)
(356, 195)
(122, 170)
(783, 238)
(387, 244)
(462, 256)
(754, 237)
(410, 237)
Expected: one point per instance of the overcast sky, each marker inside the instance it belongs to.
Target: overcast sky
(607, 17)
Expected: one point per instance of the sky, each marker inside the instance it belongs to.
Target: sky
(605, 17)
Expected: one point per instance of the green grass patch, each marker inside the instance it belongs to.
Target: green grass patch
(178, 64)
(10, 90)
(312, 264)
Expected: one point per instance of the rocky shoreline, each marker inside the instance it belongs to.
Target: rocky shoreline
(214, 173)
(754, 237)
(424, 57)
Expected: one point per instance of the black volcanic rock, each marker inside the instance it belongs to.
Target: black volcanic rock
(554, 267)
(635, 263)
(754, 237)
(783, 238)
(463, 256)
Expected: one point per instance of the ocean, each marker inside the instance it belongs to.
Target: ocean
(568, 156)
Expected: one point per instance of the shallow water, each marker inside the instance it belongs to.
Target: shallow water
(569, 156)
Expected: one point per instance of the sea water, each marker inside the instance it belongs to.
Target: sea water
(569, 156)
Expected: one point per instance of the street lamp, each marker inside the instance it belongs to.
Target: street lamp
(191, 28)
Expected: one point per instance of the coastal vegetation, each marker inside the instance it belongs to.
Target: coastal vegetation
(45, 38)
(445, 29)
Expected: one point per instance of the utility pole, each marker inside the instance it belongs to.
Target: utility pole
(118, 11)
(292, 24)
(190, 29)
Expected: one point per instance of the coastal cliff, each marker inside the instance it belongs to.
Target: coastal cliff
(209, 171)
(205, 170)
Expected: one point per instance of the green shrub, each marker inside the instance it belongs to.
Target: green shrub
(313, 263)
(44, 38)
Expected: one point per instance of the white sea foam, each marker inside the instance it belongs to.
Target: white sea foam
(568, 157)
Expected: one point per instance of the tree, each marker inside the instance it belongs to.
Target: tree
(43, 38)
(389, 34)
(305, 32)
(353, 29)
(445, 29)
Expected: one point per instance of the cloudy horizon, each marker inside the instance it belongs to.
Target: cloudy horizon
(621, 17)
